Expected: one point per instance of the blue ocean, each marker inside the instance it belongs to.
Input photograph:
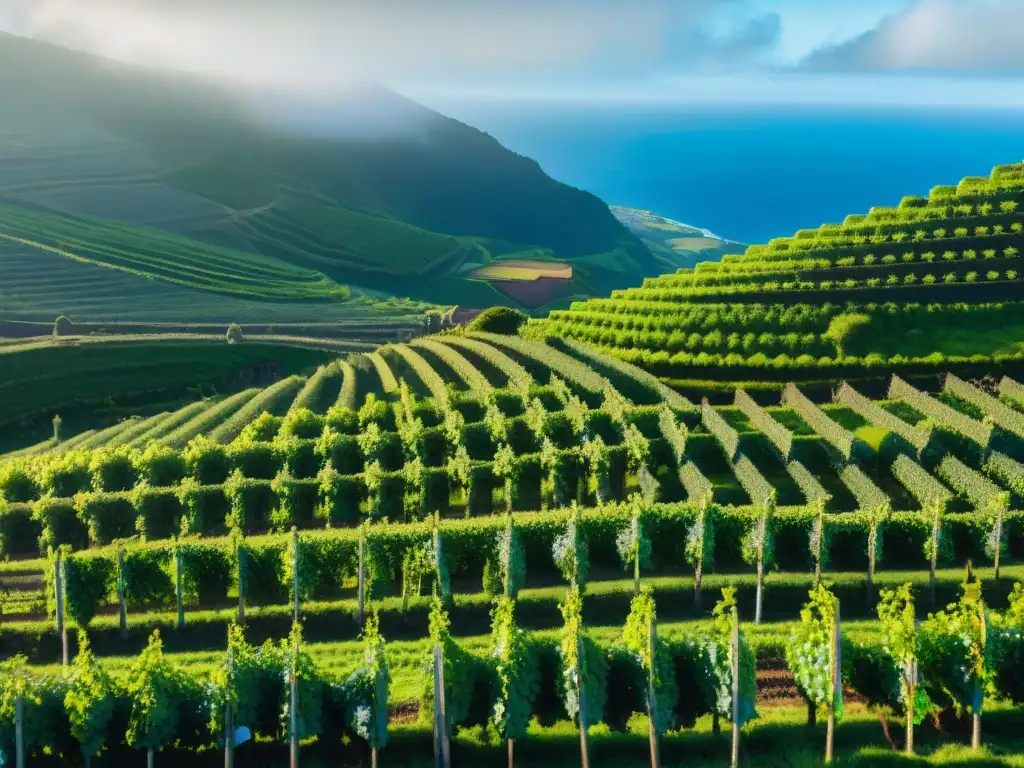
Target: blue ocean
(750, 174)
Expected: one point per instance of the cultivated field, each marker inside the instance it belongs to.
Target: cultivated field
(930, 285)
(259, 505)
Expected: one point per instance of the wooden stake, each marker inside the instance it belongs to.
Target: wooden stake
(582, 691)
(872, 549)
(760, 587)
(442, 744)
(511, 753)
(976, 719)
(936, 522)
(295, 573)
(58, 588)
(911, 673)
(652, 701)
(998, 534)
(293, 714)
(122, 607)
(19, 733)
(229, 726)
(240, 562)
(360, 612)
(149, 758)
(177, 589)
(734, 642)
(837, 688)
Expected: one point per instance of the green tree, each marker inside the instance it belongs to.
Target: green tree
(843, 329)
(503, 320)
(234, 334)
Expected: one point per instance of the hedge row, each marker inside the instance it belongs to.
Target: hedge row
(836, 436)
(879, 417)
(1002, 415)
(329, 558)
(158, 702)
(941, 413)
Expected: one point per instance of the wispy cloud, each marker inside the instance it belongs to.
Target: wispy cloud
(938, 36)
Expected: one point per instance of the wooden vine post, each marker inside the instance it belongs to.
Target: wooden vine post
(911, 673)
(442, 740)
(582, 693)
(240, 564)
(229, 725)
(978, 693)
(121, 606)
(295, 574)
(819, 522)
(58, 588)
(652, 702)
(177, 588)
(933, 566)
(361, 609)
(837, 686)
(698, 572)
(19, 732)
(734, 645)
(293, 707)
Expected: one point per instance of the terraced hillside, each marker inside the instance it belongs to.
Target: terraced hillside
(172, 169)
(932, 283)
(496, 467)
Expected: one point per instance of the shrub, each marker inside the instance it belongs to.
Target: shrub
(204, 508)
(109, 515)
(256, 460)
(19, 530)
(17, 484)
(158, 510)
(206, 572)
(65, 475)
(160, 465)
(206, 461)
(234, 334)
(252, 502)
(503, 320)
(340, 496)
(60, 524)
(113, 470)
(89, 579)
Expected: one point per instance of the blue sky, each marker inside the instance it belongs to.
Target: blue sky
(929, 52)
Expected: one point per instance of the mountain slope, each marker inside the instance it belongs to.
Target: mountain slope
(908, 288)
(374, 190)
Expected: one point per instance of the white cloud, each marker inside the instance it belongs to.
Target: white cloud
(400, 40)
(950, 36)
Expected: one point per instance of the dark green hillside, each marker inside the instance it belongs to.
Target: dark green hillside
(916, 287)
(406, 192)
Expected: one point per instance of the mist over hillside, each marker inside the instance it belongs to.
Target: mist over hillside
(353, 180)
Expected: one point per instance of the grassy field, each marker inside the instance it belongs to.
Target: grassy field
(34, 380)
(522, 269)
(153, 254)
